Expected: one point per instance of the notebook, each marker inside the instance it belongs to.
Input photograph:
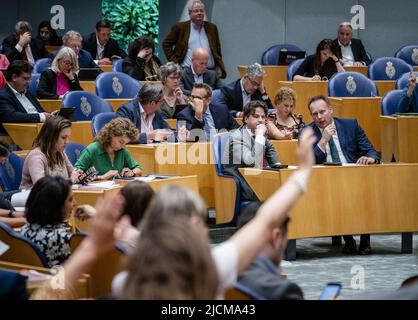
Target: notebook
(287, 57)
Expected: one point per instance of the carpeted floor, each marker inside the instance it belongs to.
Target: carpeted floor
(318, 263)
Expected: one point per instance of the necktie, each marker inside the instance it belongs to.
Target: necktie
(206, 127)
(24, 55)
(334, 152)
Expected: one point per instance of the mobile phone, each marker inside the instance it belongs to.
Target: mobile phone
(332, 164)
(278, 166)
(331, 290)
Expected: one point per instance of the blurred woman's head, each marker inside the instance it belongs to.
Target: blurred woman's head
(284, 101)
(138, 195)
(50, 201)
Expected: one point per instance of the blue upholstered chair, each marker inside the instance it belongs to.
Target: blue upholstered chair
(271, 55)
(116, 85)
(229, 183)
(388, 68)
(351, 84)
(21, 250)
(117, 65)
(215, 95)
(11, 173)
(33, 86)
(403, 81)
(390, 102)
(73, 151)
(99, 120)
(86, 103)
(409, 54)
(292, 67)
(42, 65)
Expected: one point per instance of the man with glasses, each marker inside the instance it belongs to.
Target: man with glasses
(73, 40)
(202, 114)
(350, 50)
(145, 113)
(239, 93)
(186, 36)
(249, 147)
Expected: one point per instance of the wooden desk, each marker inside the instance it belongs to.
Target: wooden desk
(273, 75)
(172, 123)
(286, 149)
(367, 113)
(305, 90)
(88, 86)
(106, 68)
(116, 103)
(362, 69)
(52, 48)
(370, 199)
(90, 196)
(415, 68)
(23, 134)
(179, 159)
(384, 86)
(50, 105)
(399, 138)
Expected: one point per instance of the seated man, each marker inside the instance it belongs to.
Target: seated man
(144, 113)
(249, 147)
(101, 46)
(350, 50)
(16, 103)
(343, 141)
(198, 72)
(263, 275)
(409, 98)
(202, 114)
(239, 93)
(21, 46)
(73, 40)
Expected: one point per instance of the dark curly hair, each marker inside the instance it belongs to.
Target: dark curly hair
(139, 44)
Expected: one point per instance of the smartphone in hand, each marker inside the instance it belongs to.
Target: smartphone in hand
(331, 291)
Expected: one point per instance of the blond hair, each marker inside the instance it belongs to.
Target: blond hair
(285, 93)
(65, 53)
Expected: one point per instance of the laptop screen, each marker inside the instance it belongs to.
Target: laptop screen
(287, 57)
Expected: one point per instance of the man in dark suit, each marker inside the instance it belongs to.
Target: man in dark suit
(236, 95)
(73, 40)
(343, 141)
(186, 36)
(16, 103)
(144, 113)
(249, 147)
(198, 72)
(205, 116)
(350, 50)
(101, 46)
(21, 46)
(263, 275)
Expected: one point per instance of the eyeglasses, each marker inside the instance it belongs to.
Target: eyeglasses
(174, 77)
(67, 63)
(254, 83)
(197, 97)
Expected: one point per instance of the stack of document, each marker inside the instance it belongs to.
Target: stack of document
(96, 185)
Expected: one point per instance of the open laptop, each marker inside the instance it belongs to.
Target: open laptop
(287, 57)
(179, 108)
(88, 74)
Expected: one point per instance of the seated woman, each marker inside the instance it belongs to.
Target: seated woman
(173, 95)
(285, 125)
(48, 157)
(108, 154)
(49, 205)
(47, 35)
(320, 66)
(61, 77)
(141, 63)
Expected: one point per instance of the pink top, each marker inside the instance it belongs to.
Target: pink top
(62, 84)
(4, 62)
(36, 167)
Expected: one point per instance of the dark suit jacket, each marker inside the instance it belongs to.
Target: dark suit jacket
(261, 276)
(47, 87)
(307, 68)
(111, 48)
(354, 142)
(187, 80)
(231, 97)
(243, 152)
(135, 68)
(13, 286)
(11, 110)
(179, 39)
(130, 110)
(358, 50)
(36, 46)
(221, 117)
(84, 59)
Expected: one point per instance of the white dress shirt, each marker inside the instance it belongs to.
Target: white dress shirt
(347, 54)
(197, 39)
(27, 104)
(337, 144)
